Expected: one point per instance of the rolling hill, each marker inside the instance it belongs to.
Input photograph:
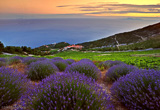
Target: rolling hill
(137, 36)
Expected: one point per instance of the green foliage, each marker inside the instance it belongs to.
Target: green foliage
(151, 43)
(61, 64)
(1, 47)
(54, 51)
(13, 49)
(130, 58)
(21, 50)
(61, 45)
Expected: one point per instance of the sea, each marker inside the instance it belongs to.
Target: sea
(37, 32)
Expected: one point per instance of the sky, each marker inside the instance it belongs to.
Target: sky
(79, 8)
(37, 22)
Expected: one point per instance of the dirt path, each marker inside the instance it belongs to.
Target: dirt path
(106, 86)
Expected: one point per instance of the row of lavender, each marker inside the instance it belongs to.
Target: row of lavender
(75, 87)
(137, 89)
(62, 84)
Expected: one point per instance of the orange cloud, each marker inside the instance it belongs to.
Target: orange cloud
(86, 7)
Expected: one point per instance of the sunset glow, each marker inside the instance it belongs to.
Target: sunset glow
(136, 8)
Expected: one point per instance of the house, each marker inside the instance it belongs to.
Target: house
(73, 46)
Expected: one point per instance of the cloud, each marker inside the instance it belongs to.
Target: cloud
(115, 8)
(64, 6)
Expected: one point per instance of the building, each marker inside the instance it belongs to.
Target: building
(73, 46)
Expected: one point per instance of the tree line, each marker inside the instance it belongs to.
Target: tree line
(21, 50)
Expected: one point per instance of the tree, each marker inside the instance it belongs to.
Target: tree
(1, 47)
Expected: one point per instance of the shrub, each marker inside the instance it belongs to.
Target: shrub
(15, 60)
(86, 60)
(68, 92)
(3, 62)
(105, 64)
(118, 71)
(138, 90)
(61, 64)
(109, 63)
(41, 59)
(29, 60)
(57, 58)
(11, 83)
(70, 61)
(158, 68)
(41, 69)
(88, 68)
(3, 59)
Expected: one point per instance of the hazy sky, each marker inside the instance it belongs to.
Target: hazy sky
(80, 8)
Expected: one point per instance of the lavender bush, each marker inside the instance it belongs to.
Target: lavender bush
(138, 90)
(11, 86)
(15, 60)
(88, 68)
(118, 71)
(105, 64)
(3, 59)
(29, 60)
(3, 62)
(109, 63)
(70, 61)
(86, 60)
(61, 64)
(42, 58)
(57, 58)
(68, 92)
(41, 69)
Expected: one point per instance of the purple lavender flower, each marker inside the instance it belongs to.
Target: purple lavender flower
(109, 63)
(15, 60)
(118, 71)
(70, 92)
(3, 62)
(3, 59)
(41, 69)
(88, 68)
(42, 58)
(86, 60)
(61, 64)
(29, 60)
(57, 58)
(70, 61)
(138, 90)
(11, 86)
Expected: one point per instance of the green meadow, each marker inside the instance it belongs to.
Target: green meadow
(142, 59)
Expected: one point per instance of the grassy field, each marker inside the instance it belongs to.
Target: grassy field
(59, 70)
(141, 59)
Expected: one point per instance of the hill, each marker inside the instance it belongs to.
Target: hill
(136, 36)
(53, 46)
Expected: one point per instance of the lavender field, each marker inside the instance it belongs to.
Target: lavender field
(30, 83)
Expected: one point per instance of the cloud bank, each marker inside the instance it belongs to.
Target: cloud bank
(114, 8)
